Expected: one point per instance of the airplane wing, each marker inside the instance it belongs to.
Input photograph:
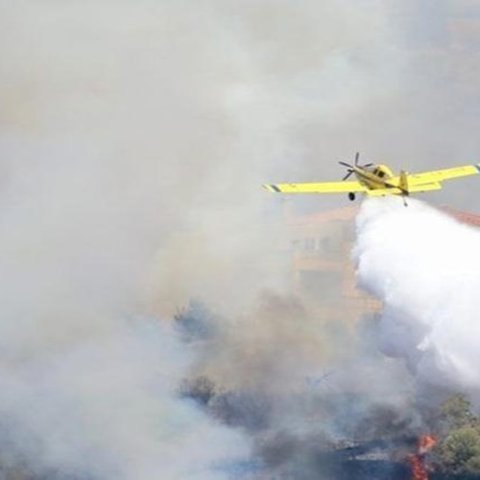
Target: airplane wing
(438, 175)
(321, 187)
(426, 187)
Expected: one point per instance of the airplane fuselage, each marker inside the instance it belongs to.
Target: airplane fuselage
(375, 177)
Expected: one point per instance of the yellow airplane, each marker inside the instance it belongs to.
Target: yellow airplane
(378, 180)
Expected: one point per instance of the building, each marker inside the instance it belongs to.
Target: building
(322, 268)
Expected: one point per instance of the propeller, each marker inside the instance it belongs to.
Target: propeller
(350, 168)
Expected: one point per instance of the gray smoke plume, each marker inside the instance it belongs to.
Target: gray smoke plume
(307, 394)
(108, 407)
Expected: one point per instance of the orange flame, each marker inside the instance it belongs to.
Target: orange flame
(426, 443)
(417, 461)
(419, 472)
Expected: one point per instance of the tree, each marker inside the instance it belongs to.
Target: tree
(460, 451)
(456, 412)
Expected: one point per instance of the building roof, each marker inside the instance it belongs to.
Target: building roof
(464, 217)
(348, 214)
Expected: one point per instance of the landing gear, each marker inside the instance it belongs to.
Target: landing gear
(351, 196)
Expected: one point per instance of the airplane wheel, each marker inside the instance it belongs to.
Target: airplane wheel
(351, 196)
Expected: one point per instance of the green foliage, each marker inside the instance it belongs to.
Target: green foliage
(456, 412)
(460, 451)
(473, 464)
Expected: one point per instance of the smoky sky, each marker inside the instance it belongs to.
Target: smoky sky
(134, 137)
(219, 96)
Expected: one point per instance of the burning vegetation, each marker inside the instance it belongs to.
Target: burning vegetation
(418, 460)
(332, 438)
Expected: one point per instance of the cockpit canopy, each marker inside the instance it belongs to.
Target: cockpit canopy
(382, 171)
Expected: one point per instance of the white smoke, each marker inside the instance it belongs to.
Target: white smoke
(425, 267)
(109, 408)
(103, 136)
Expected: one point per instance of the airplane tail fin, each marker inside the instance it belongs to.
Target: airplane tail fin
(403, 183)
